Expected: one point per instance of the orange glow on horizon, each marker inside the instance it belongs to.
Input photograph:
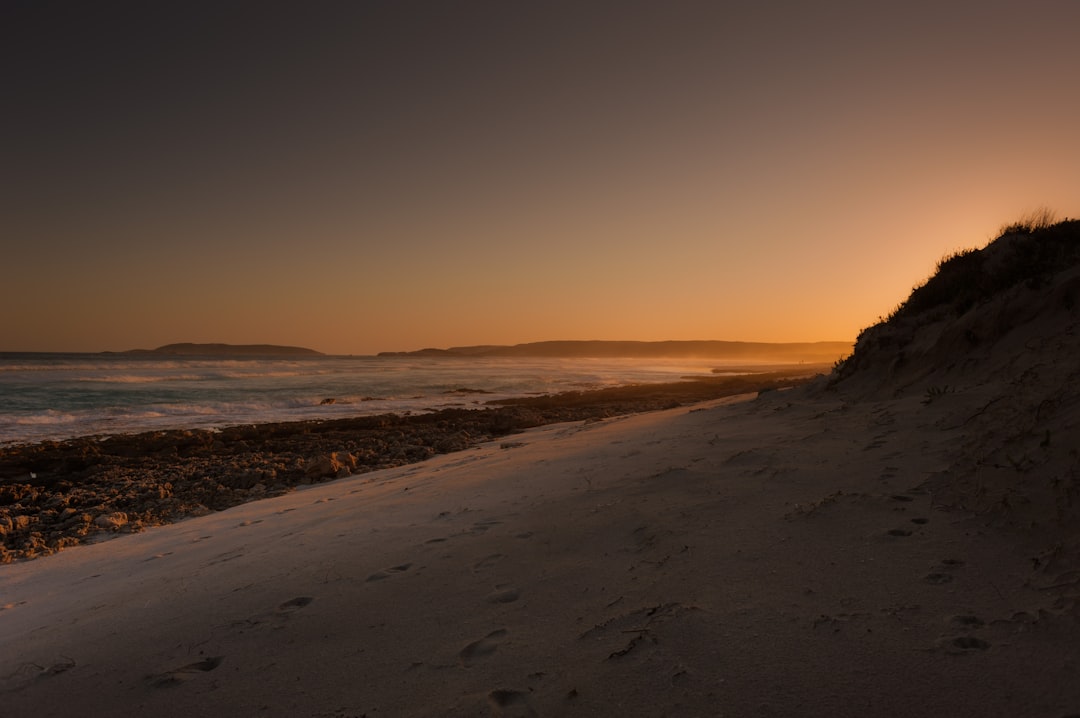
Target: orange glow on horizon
(685, 173)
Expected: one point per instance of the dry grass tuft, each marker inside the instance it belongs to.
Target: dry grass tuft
(1033, 221)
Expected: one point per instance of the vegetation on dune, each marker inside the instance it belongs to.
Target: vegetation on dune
(1041, 218)
(1028, 253)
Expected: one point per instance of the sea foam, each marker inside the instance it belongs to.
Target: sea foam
(61, 396)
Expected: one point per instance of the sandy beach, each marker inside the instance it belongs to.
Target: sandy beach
(758, 556)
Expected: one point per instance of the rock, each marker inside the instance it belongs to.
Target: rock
(327, 401)
(346, 459)
(14, 493)
(35, 545)
(320, 467)
(455, 442)
(243, 480)
(336, 465)
(111, 521)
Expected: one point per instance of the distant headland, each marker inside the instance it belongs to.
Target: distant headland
(791, 351)
(230, 350)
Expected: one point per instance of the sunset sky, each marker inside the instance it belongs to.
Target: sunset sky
(364, 176)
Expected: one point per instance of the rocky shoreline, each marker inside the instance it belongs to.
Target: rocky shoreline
(57, 494)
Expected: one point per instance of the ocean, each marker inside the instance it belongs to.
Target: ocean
(59, 396)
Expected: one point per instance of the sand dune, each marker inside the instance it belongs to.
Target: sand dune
(898, 539)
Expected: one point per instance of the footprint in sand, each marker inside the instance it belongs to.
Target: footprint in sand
(1022, 617)
(487, 561)
(482, 526)
(388, 572)
(966, 622)
(276, 619)
(484, 647)
(938, 574)
(963, 644)
(511, 704)
(295, 604)
(227, 556)
(503, 595)
(183, 673)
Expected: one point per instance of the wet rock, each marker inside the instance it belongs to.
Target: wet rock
(111, 521)
(336, 465)
(455, 442)
(244, 480)
(13, 493)
(346, 459)
(322, 467)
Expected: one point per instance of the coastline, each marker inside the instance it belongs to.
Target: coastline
(785, 555)
(58, 494)
(69, 396)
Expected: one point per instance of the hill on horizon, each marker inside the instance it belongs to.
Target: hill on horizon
(810, 352)
(192, 349)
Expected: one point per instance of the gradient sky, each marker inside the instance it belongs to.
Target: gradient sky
(365, 176)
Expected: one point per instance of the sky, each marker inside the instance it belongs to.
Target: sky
(365, 176)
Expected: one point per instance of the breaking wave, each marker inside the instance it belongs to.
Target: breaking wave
(76, 395)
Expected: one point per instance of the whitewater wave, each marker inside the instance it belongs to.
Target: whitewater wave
(47, 418)
(134, 378)
(51, 399)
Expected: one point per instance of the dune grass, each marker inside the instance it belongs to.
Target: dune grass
(1029, 251)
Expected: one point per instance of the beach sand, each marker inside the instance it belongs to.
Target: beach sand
(775, 555)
